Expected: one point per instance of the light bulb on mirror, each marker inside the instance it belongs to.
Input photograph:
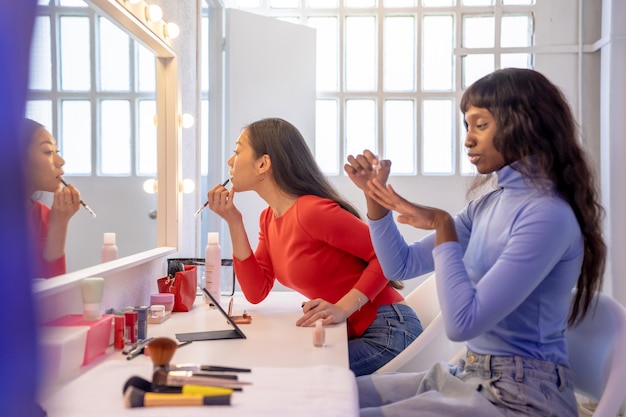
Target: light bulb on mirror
(187, 186)
(153, 13)
(150, 186)
(186, 120)
(171, 30)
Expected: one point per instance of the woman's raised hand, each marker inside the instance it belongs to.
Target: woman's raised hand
(365, 167)
(221, 202)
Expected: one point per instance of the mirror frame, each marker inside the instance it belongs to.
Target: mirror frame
(131, 18)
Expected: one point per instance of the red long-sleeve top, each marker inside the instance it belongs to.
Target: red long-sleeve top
(40, 219)
(320, 250)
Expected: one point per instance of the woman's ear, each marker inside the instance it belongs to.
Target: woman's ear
(264, 164)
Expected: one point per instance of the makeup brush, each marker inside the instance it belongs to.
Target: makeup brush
(93, 215)
(207, 202)
(161, 350)
(135, 397)
(145, 385)
(162, 377)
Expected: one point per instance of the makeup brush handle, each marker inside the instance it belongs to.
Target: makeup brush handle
(155, 399)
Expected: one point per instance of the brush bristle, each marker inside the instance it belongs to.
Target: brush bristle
(133, 397)
(162, 350)
(137, 382)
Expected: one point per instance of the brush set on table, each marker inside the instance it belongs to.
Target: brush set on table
(185, 384)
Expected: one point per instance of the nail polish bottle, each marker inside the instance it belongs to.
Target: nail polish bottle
(319, 334)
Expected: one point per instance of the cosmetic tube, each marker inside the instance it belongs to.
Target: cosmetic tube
(319, 334)
(92, 289)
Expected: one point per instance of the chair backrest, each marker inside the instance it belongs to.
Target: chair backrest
(432, 345)
(424, 300)
(597, 354)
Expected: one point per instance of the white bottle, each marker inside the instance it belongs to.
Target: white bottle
(213, 266)
(319, 334)
(109, 249)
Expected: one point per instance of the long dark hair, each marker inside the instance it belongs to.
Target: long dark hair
(293, 166)
(534, 119)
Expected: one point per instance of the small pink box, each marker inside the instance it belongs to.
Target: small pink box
(98, 335)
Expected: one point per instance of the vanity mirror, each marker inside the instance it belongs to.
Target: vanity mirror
(112, 203)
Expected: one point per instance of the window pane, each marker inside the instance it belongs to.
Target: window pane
(478, 31)
(327, 52)
(40, 111)
(114, 61)
(476, 66)
(40, 56)
(518, 2)
(204, 55)
(72, 3)
(360, 126)
(75, 54)
(327, 136)
(75, 140)
(516, 61)
(399, 53)
(399, 135)
(359, 3)
(361, 53)
(146, 69)
(399, 3)
(321, 4)
(437, 137)
(437, 3)
(147, 146)
(437, 52)
(284, 4)
(516, 31)
(204, 141)
(115, 133)
(477, 2)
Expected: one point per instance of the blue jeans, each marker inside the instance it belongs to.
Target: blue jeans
(522, 386)
(393, 329)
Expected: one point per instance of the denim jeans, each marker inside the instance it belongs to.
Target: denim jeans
(393, 329)
(486, 386)
(522, 386)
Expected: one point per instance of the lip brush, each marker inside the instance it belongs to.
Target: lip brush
(207, 202)
(93, 215)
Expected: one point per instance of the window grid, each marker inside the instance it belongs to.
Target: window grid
(56, 96)
(301, 13)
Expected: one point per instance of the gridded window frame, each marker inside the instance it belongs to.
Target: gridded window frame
(459, 164)
(94, 95)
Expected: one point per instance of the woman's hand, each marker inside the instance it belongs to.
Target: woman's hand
(65, 203)
(366, 167)
(319, 309)
(221, 202)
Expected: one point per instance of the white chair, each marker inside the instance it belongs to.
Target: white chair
(597, 353)
(432, 345)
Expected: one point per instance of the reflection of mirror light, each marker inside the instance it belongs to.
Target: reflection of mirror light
(171, 30)
(187, 186)
(186, 120)
(154, 13)
(150, 186)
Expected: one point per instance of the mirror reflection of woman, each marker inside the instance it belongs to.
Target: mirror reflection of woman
(49, 225)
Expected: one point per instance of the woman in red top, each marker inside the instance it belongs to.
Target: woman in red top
(49, 224)
(313, 241)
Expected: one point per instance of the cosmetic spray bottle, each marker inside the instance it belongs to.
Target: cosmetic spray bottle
(213, 266)
(109, 248)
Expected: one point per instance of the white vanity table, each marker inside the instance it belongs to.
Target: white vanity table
(289, 375)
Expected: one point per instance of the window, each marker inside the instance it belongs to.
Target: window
(94, 89)
(390, 73)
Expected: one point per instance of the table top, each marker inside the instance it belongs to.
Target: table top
(289, 375)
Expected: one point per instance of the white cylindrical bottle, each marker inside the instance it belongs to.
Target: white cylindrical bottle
(213, 266)
(319, 334)
(109, 248)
